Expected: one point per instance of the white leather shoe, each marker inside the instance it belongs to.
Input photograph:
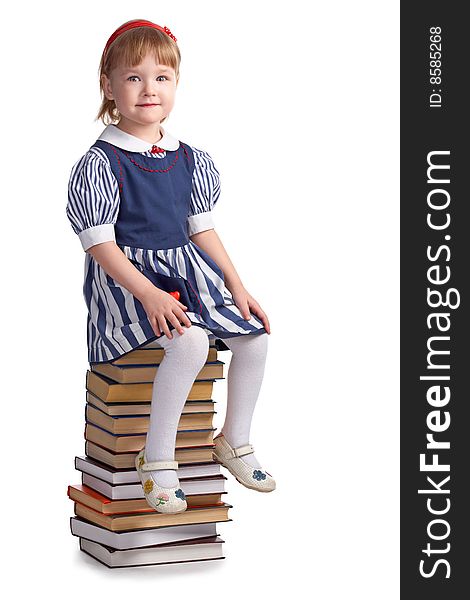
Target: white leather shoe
(230, 458)
(163, 500)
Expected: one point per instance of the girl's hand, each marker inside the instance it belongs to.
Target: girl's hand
(160, 307)
(247, 303)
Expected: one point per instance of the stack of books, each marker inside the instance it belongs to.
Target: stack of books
(112, 519)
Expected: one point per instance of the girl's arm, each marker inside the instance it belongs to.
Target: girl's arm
(158, 304)
(210, 242)
(118, 266)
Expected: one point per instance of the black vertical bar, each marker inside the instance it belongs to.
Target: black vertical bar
(434, 259)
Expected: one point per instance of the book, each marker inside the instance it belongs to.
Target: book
(135, 443)
(193, 486)
(122, 540)
(147, 373)
(119, 408)
(95, 468)
(109, 391)
(138, 424)
(102, 504)
(177, 552)
(125, 460)
(153, 356)
(127, 522)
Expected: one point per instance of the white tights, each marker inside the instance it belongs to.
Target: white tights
(185, 355)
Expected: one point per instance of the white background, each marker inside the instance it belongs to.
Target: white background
(298, 104)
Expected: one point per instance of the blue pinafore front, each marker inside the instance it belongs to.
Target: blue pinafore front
(154, 209)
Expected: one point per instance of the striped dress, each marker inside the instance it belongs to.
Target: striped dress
(148, 199)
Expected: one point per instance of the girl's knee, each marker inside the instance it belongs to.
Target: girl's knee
(193, 344)
(252, 346)
(195, 337)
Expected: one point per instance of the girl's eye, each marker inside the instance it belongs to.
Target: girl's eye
(164, 76)
(132, 77)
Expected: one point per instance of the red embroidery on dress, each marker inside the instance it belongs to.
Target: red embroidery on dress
(153, 170)
(194, 291)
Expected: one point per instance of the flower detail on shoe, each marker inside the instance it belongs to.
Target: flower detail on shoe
(148, 486)
(162, 498)
(253, 477)
(180, 494)
(258, 475)
(141, 461)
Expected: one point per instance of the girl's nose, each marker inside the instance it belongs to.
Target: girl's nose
(150, 89)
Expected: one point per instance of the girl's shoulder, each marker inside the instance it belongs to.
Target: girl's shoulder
(94, 155)
(203, 161)
(199, 152)
(92, 164)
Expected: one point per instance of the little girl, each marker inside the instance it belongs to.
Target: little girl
(141, 201)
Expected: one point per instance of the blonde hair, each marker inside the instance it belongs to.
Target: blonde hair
(129, 49)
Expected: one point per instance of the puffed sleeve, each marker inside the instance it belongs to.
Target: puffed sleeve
(204, 193)
(93, 199)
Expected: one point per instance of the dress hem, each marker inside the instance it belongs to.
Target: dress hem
(221, 336)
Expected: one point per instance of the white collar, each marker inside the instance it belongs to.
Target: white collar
(126, 141)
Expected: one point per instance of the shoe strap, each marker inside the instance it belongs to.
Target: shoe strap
(240, 451)
(159, 465)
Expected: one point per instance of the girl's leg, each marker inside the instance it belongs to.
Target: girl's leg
(244, 379)
(185, 355)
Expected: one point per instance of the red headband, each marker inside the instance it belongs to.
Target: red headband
(133, 25)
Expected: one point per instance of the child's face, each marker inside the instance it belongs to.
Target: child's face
(144, 94)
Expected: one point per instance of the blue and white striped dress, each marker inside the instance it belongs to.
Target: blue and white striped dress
(117, 322)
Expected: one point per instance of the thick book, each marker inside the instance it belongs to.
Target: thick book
(147, 373)
(126, 491)
(95, 468)
(137, 424)
(93, 499)
(178, 552)
(126, 460)
(115, 409)
(135, 443)
(153, 356)
(121, 540)
(129, 521)
(109, 391)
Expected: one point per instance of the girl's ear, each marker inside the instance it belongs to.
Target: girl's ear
(106, 83)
